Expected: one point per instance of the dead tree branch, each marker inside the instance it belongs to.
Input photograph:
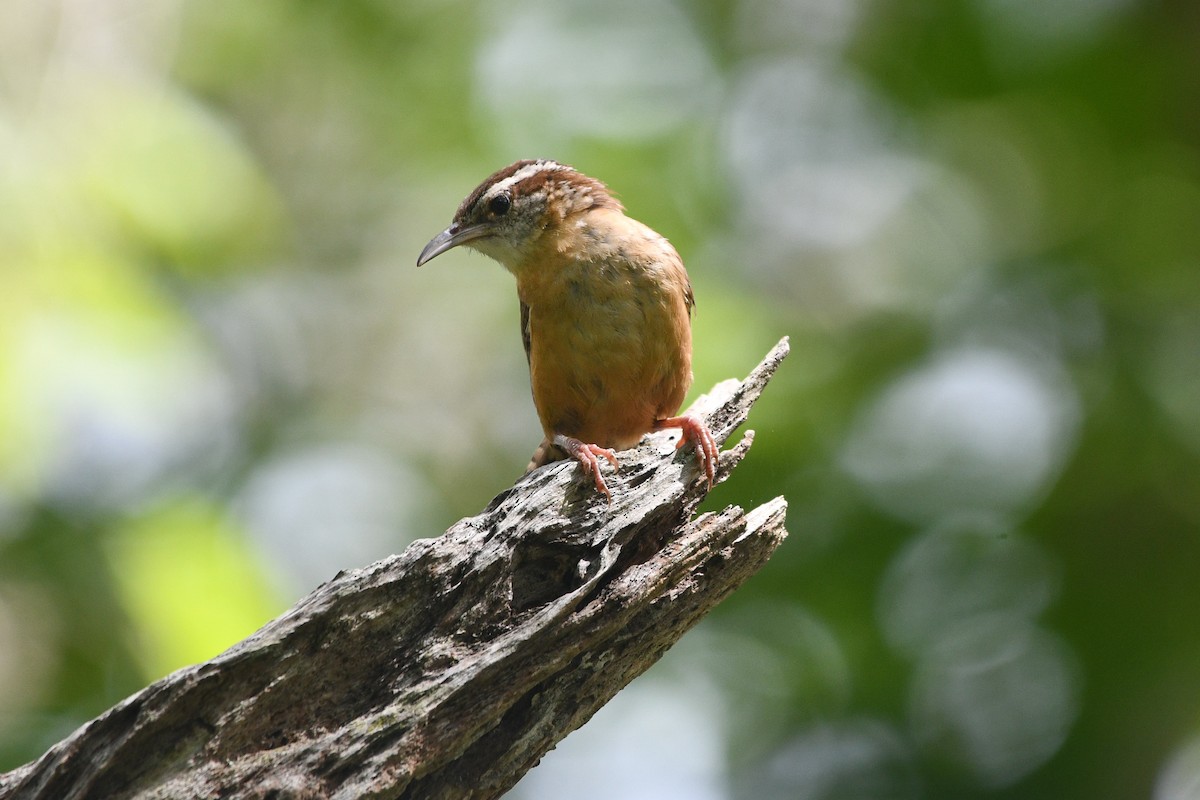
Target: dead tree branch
(449, 670)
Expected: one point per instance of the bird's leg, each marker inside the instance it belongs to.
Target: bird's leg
(545, 453)
(694, 430)
(586, 454)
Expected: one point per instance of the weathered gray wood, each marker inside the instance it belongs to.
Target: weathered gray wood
(446, 671)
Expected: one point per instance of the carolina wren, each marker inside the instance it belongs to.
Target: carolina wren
(605, 311)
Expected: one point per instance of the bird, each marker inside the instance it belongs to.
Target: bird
(605, 305)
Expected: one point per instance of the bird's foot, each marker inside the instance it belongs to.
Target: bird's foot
(694, 430)
(586, 454)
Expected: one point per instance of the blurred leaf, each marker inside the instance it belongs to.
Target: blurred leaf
(190, 583)
(175, 178)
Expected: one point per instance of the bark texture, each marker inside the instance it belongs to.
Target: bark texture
(448, 670)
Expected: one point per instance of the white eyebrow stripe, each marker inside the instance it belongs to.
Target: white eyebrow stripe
(523, 173)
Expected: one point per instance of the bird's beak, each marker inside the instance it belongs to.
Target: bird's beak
(449, 238)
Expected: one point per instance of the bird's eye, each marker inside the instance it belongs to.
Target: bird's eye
(500, 204)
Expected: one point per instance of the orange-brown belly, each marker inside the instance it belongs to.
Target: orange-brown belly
(604, 369)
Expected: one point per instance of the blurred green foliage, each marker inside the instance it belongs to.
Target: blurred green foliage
(222, 379)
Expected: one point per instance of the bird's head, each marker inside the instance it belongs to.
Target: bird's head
(510, 213)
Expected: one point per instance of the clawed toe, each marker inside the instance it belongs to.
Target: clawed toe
(694, 430)
(588, 455)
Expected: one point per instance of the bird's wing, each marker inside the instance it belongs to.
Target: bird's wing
(525, 329)
(675, 265)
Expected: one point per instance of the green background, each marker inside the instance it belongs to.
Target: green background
(222, 379)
